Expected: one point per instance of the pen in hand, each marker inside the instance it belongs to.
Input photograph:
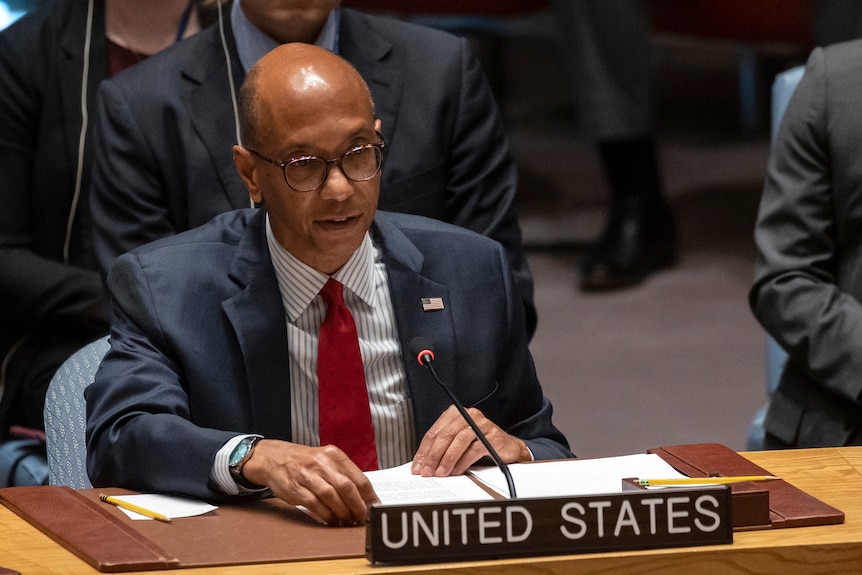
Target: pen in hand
(136, 508)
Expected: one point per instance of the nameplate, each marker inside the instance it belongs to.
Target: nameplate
(676, 517)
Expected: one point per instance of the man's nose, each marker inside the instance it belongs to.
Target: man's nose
(336, 186)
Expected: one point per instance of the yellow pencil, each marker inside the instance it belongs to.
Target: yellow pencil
(136, 508)
(705, 480)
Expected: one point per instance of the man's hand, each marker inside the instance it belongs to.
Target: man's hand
(321, 479)
(451, 446)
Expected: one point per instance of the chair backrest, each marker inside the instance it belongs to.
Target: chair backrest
(782, 89)
(66, 416)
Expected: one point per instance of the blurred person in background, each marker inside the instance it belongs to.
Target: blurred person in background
(609, 57)
(51, 295)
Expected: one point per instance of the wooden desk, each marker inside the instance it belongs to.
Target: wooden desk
(833, 475)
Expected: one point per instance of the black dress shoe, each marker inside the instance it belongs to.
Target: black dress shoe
(635, 243)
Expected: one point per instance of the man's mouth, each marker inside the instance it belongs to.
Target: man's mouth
(334, 222)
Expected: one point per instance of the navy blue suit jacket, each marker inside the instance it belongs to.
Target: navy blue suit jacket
(198, 347)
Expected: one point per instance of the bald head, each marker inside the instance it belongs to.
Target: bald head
(293, 83)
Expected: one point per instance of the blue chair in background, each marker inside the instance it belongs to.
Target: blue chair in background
(782, 89)
(66, 416)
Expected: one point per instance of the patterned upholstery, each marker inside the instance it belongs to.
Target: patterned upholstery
(66, 416)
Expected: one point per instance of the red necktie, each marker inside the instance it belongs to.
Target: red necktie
(345, 416)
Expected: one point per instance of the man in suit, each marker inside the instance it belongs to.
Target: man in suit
(216, 329)
(808, 285)
(164, 132)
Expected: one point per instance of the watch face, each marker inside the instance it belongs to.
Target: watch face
(239, 452)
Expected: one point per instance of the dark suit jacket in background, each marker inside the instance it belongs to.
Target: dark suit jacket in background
(48, 308)
(199, 347)
(165, 130)
(808, 283)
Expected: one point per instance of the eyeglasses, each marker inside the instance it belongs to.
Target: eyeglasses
(307, 173)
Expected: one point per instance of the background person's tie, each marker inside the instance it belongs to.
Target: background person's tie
(345, 415)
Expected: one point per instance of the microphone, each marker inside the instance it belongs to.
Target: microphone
(423, 350)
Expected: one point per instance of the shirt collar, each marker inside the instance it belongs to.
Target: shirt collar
(252, 44)
(300, 283)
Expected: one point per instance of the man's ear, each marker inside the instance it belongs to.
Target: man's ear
(246, 167)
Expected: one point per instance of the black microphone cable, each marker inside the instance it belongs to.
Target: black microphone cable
(423, 350)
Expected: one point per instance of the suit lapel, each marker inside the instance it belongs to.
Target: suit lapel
(206, 96)
(257, 316)
(408, 286)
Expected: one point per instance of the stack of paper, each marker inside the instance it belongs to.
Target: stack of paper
(570, 477)
(398, 486)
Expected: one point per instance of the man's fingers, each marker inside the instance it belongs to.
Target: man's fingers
(456, 450)
(446, 443)
(323, 480)
(474, 453)
(450, 446)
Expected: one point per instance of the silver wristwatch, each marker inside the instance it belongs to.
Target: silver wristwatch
(238, 457)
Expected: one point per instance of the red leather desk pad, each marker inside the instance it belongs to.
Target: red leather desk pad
(254, 532)
(789, 506)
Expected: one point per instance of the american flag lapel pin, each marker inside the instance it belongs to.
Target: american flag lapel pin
(432, 303)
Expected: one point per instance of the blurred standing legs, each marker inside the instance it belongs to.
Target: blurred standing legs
(608, 60)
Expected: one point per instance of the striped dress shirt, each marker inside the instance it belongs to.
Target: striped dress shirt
(368, 298)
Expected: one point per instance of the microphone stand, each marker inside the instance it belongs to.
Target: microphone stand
(426, 361)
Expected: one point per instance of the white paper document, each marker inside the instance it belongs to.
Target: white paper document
(570, 477)
(575, 476)
(398, 486)
(168, 505)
